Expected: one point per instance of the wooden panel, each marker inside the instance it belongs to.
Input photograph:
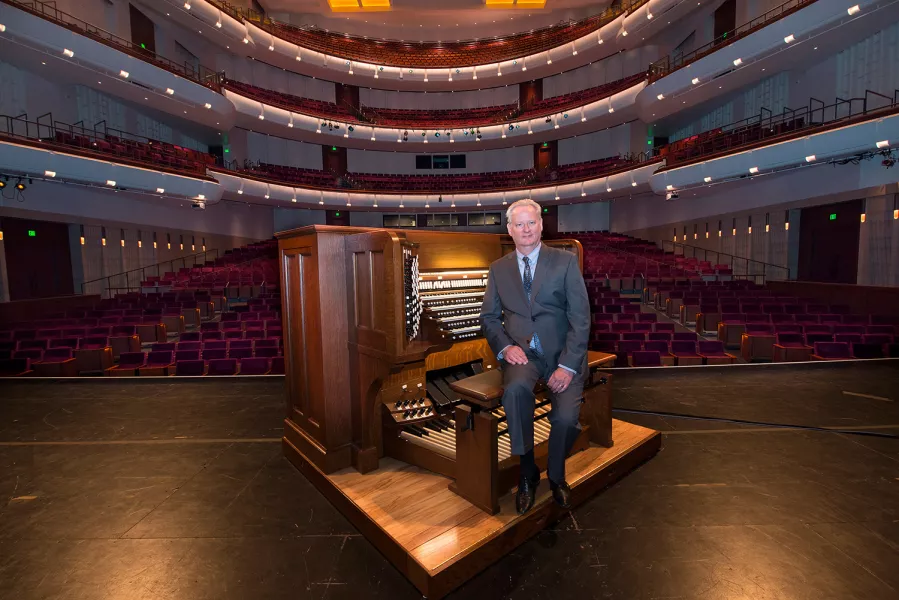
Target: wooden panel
(27, 310)
(442, 250)
(296, 296)
(861, 299)
(362, 288)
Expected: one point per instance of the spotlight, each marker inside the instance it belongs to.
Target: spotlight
(20, 186)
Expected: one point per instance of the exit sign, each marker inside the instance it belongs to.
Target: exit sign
(833, 216)
(32, 233)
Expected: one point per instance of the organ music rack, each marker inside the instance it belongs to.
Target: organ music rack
(384, 359)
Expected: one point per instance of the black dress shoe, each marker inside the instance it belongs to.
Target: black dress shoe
(527, 493)
(561, 494)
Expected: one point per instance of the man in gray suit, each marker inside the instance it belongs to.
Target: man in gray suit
(536, 317)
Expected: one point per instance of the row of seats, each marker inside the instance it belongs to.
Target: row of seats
(160, 364)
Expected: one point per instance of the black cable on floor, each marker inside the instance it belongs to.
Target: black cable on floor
(657, 413)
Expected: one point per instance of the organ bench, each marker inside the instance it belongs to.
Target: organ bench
(393, 398)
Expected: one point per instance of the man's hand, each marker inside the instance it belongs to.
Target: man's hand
(515, 356)
(560, 380)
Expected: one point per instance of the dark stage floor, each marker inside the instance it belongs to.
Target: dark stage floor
(174, 490)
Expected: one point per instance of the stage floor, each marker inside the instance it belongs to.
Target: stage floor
(180, 490)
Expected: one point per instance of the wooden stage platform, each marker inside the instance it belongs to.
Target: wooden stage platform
(439, 540)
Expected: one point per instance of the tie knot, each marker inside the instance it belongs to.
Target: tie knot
(526, 260)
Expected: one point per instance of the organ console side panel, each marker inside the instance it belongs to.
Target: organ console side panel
(313, 288)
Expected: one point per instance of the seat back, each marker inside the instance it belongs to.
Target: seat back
(222, 366)
(683, 347)
(832, 350)
(132, 360)
(711, 348)
(646, 358)
(254, 366)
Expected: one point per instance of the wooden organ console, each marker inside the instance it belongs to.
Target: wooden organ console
(385, 361)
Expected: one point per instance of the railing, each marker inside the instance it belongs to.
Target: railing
(130, 280)
(742, 267)
(790, 123)
(669, 64)
(47, 10)
(595, 22)
(84, 141)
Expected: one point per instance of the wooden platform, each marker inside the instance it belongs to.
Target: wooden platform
(439, 540)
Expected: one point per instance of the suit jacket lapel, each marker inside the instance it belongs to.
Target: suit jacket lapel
(544, 264)
(515, 280)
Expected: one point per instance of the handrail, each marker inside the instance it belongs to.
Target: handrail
(143, 272)
(758, 128)
(759, 271)
(669, 64)
(202, 75)
(469, 46)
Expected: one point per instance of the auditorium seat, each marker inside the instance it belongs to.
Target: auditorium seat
(187, 346)
(685, 336)
(240, 353)
(831, 351)
(254, 366)
(93, 354)
(848, 338)
(880, 339)
(685, 353)
(662, 347)
(187, 355)
(190, 336)
(713, 353)
(791, 347)
(129, 364)
(222, 366)
(190, 368)
(646, 358)
(15, 367)
(158, 364)
(757, 342)
(164, 347)
(277, 366)
(56, 362)
(214, 353)
(866, 350)
(267, 351)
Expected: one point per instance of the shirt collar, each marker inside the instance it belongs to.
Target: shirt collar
(535, 253)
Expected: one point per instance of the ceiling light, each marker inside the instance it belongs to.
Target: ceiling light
(738, 62)
(169, 91)
(267, 196)
(300, 59)
(218, 24)
(853, 9)
(660, 97)
(695, 80)
(707, 179)
(883, 143)
(290, 124)
(240, 192)
(262, 117)
(187, 6)
(669, 187)
(811, 158)
(49, 173)
(611, 110)
(2, 28)
(608, 189)
(68, 52)
(789, 39)
(648, 15)
(624, 33)
(201, 197)
(207, 105)
(271, 48)
(124, 74)
(160, 190)
(600, 41)
(246, 40)
(754, 170)
(110, 183)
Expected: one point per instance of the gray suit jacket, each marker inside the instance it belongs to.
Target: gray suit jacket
(559, 312)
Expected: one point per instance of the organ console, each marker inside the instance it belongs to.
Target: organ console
(393, 399)
(423, 383)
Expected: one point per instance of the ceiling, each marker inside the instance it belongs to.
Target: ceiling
(443, 20)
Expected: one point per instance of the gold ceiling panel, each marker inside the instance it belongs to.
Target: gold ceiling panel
(351, 5)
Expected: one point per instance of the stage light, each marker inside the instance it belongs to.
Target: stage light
(754, 170)
(738, 62)
(68, 52)
(883, 143)
(811, 158)
(124, 74)
(789, 39)
(49, 173)
(707, 179)
(695, 80)
(660, 97)
(20, 186)
(853, 9)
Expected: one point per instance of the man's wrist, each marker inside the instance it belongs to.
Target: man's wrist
(569, 369)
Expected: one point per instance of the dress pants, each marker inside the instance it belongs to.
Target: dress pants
(518, 401)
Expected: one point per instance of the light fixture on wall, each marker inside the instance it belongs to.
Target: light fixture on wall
(193, 244)
(719, 228)
(81, 235)
(853, 9)
(181, 244)
(749, 226)
(122, 239)
(706, 230)
(204, 244)
(674, 239)
(154, 240)
(168, 241)
(895, 206)
(140, 242)
(786, 220)
(103, 236)
(695, 231)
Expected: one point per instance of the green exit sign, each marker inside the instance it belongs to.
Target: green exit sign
(833, 216)
(32, 233)
(337, 214)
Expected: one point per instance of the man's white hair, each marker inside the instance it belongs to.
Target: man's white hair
(521, 203)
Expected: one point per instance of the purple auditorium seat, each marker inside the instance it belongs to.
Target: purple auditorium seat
(633, 335)
(603, 318)
(832, 319)
(190, 368)
(713, 353)
(232, 326)
(660, 336)
(266, 342)
(787, 328)
(863, 350)
(791, 347)
(222, 366)
(646, 358)
(814, 338)
(164, 347)
(685, 336)
(240, 353)
(663, 349)
(129, 363)
(254, 334)
(621, 327)
(209, 335)
(626, 318)
(233, 334)
(254, 325)
(685, 353)
(859, 329)
(624, 349)
(187, 355)
(266, 352)
(233, 344)
(190, 346)
(848, 338)
(24, 334)
(831, 351)
(216, 345)
(277, 367)
(642, 327)
(209, 326)
(664, 327)
(887, 329)
(158, 364)
(190, 336)
(57, 362)
(877, 338)
(855, 320)
(214, 353)
(75, 332)
(48, 333)
(807, 319)
(41, 344)
(32, 354)
(647, 317)
(15, 367)
(66, 342)
(782, 318)
(230, 316)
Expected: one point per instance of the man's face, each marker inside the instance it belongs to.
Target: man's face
(525, 226)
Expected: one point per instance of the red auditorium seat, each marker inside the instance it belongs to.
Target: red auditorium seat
(831, 351)
(129, 364)
(254, 366)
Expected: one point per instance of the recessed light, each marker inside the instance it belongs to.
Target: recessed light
(611, 110)
(246, 40)
(218, 24)
(110, 183)
(738, 62)
(160, 190)
(695, 80)
(853, 9)
(660, 97)
(240, 192)
(68, 52)
(648, 16)
(169, 91)
(262, 117)
(883, 143)
(811, 158)
(207, 105)
(49, 173)
(707, 179)
(789, 39)
(633, 184)
(754, 170)
(187, 6)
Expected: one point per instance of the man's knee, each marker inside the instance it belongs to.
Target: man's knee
(518, 388)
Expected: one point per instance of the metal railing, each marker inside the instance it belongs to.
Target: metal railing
(790, 123)
(80, 139)
(47, 10)
(742, 267)
(129, 281)
(673, 62)
(369, 45)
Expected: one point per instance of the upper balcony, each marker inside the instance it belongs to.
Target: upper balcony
(392, 64)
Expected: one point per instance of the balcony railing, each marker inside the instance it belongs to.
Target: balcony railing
(766, 127)
(669, 64)
(47, 10)
(431, 54)
(743, 268)
(128, 281)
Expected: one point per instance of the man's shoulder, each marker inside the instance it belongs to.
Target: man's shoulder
(500, 261)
